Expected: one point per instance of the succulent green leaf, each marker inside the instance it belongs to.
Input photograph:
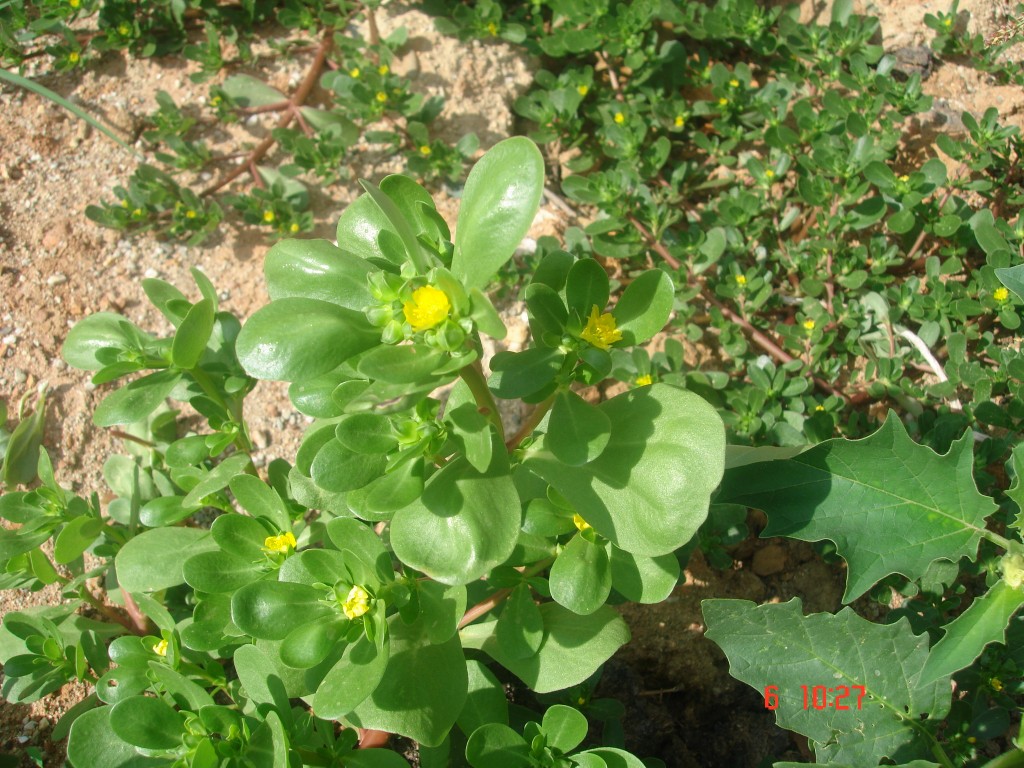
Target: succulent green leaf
(75, 537)
(644, 307)
(500, 199)
(520, 628)
(581, 576)
(485, 702)
(473, 429)
(1012, 278)
(240, 535)
(574, 646)
(270, 610)
(309, 644)
(338, 469)
(577, 432)
(849, 491)
(520, 374)
(777, 645)
(294, 339)
(586, 287)
(217, 479)
(422, 690)
(351, 680)
(648, 492)
(146, 722)
(153, 559)
(96, 340)
(966, 636)
(20, 461)
(403, 364)
(360, 226)
(94, 744)
(644, 579)
(465, 523)
(548, 314)
(137, 400)
(192, 335)
(260, 500)
(495, 745)
(186, 694)
(358, 542)
(317, 269)
(564, 727)
(248, 91)
(400, 225)
(219, 572)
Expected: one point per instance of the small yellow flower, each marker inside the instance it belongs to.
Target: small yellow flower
(972, 740)
(137, 212)
(619, 118)
(282, 544)
(354, 72)
(680, 121)
(160, 649)
(723, 101)
(904, 179)
(740, 279)
(819, 408)
(734, 83)
(268, 216)
(947, 22)
(74, 57)
(1000, 295)
(74, 3)
(996, 683)
(580, 701)
(809, 324)
(643, 381)
(601, 331)
(293, 228)
(769, 174)
(493, 29)
(215, 101)
(190, 214)
(381, 96)
(425, 150)
(124, 203)
(429, 307)
(356, 604)
(124, 30)
(383, 69)
(580, 523)
(582, 90)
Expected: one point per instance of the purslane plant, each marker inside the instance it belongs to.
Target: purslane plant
(416, 554)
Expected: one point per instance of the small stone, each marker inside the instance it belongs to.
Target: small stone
(44, 723)
(22, 739)
(30, 726)
(151, 273)
(9, 339)
(261, 439)
(59, 364)
(58, 278)
(769, 560)
(20, 376)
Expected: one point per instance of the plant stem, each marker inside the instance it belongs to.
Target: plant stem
(473, 375)
(498, 597)
(535, 418)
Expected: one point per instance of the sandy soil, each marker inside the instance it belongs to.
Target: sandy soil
(56, 266)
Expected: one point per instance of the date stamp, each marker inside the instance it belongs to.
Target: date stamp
(821, 697)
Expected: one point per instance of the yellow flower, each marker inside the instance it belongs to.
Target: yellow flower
(734, 83)
(619, 118)
(809, 324)
(819, 408)
(381, 96)
(996, 683)
(281, 544)
(74, 57)
(294, 227)
(769, 174)
(74, 3)
(601, 331)
(493, 29)
(383, 69)
(215, 101)
(124, 30)
(580, 523)
(356, 604)
(160, 649)
(947, 22)
(268, 216)
(680, 121)
(124, 203)
(354, 72)
(429, 307)
(582, 90)
(190, 214)
(904, 178)
(723, 101)
(425, 150)
(1000, 295)
(137, 212)
(643, 381)
(740, 279)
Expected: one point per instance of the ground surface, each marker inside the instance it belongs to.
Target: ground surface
(56, 267)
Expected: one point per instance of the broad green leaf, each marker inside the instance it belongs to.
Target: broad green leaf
(351, 680)
(519, 374)
(241, 536)
(548, 315)
(294, 339)
(358, 541)
(260, 500)
(586, 288)
(423, 688)
(400, 224)
(93, 744)
(644, 306)
(574, 646)
(416, 205)
(648, 492)
(849, 491)
(270, 610)
(465, 523)
(520, 629)
(473, 429)
(966, 636)
(644, 579)
(247, 91)
(577, 431)
(146, 722)
(75, 537)
(317, 269)
(186, 694)
(402, 364)
(258, 676)
(153, 559)
(217, 479)
(485, 702)
(137, 400)
(777, 645)
(360, 226)
(309, 644)
(564, 727)
(581, 576)
(21, 458)
(338, 469)
(485, 316)
(218, 572)
(192, 335)
(495, 745)
(1013, 278)
(500, 199)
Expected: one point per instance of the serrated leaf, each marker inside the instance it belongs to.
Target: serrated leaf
(851, 491)
(775, 644)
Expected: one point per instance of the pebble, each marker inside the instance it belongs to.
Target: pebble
(30, 725)
(57, 278)
(20, 376)
(11, 339)
(261, 438)
(151, 272)
(252, 120)
(769, 560)
(44, 723)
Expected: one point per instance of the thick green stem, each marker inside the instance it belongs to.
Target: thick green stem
(473, 375)
(230, 405)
